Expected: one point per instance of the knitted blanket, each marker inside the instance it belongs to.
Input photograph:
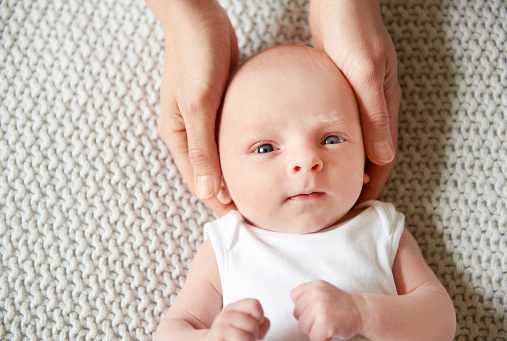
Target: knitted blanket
(97, 227)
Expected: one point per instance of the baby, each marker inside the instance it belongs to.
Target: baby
(299, 260)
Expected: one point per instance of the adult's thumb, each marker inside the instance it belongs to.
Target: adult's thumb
(376, 125)
(202, 150)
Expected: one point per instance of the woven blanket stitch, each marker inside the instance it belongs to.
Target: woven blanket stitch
(97, 228)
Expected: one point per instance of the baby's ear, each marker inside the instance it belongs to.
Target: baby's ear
(366, 178)
(223, 196)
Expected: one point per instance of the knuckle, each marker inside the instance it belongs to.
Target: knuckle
(256, 305)
(200, 99)
(172, 131)
(198, 156)
(320, 284)
(227, 309)
(371, 68)
(379, 119)
(170, 118)
(252, 303)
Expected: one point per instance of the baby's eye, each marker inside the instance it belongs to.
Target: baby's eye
(333, 139)
(265, 148)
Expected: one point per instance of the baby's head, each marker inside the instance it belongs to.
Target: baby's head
(290, 141)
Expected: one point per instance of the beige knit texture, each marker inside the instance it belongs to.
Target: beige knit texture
(97, 228)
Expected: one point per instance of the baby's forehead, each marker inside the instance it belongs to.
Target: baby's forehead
(287, 58)
(282, 65)
(273, 77)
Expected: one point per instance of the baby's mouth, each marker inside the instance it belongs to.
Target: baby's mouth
(307, 196)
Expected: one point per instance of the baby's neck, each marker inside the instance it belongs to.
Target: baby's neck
(343, 220)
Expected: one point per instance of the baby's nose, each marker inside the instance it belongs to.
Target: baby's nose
(307, 163)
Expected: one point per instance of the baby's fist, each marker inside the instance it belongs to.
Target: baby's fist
(242, 320)
(325, 312)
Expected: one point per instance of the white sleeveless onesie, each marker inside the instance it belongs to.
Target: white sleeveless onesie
(356, 257)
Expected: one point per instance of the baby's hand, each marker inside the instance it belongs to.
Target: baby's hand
(325, 312)
(241, 320)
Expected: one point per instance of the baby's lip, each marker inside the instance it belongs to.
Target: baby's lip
(307, 195)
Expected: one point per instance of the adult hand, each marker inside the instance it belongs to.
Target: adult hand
(353, 34)
(201, 51)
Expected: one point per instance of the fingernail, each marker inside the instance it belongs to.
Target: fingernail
(204, 187)
(383, 151)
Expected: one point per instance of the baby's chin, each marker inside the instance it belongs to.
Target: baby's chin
(307, 223)
(295, 225)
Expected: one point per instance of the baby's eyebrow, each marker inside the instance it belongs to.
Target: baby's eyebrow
(332, 118)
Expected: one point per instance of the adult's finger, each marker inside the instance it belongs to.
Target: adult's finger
(172, 130)
(384, 127)
(379, 95)
(199, 117)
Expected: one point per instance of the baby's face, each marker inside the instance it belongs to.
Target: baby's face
(290, 145)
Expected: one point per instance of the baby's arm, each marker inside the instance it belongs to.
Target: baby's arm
(197, 312)
(422, 310)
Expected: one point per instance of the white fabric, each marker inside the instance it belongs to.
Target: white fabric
(97, 228)
(356, 257)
